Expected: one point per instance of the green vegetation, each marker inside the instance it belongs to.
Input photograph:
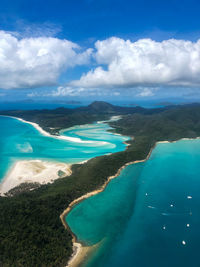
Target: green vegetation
(24, 187)
(31, 233)
(60, 118)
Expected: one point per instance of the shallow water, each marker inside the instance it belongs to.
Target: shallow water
(149, 215)
(21, 141)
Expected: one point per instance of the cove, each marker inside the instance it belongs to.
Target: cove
(148, 215)
(21, 141)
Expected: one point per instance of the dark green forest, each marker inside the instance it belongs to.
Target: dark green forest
(31, 232)
(61, 118)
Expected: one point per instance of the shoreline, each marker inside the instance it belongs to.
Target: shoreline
(49, 168)
(33, 171)
(11, 181)
(79, 250)
(45, 133)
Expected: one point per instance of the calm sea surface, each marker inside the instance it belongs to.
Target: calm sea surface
(149, 216)
(21, 141)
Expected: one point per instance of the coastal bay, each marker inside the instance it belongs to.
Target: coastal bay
(37, 156)
(156, 194)
(51, 200)
(99, 133)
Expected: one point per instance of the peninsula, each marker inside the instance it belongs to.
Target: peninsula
(33, 217)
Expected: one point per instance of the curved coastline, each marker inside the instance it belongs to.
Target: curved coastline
(80, 252)
(8, 182)
(45, 133)
(33, 171)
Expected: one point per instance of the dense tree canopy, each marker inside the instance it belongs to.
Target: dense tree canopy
(31, 233)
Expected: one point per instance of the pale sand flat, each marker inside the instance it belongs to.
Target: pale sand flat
(31, 171)
(80, 254)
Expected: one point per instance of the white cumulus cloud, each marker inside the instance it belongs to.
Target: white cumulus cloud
(36, 62)
(144, 92)
(122, 63)
(66, 91)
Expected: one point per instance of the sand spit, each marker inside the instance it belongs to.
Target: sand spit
(80, 253)
(30, 171)
(62, 137)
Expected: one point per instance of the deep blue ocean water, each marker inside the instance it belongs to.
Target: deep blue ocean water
(149, 216)
(21, 141)
(52, 105)
(33, 105)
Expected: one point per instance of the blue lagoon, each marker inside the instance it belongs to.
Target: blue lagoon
(21, 142)
(148, 215)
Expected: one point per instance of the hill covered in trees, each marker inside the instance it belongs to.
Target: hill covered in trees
(31, 233)
(64, 117)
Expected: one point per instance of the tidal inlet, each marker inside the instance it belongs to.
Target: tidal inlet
(109, 193)
(99, 133)
(27, 155)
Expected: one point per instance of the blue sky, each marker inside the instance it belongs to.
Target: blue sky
(99, 49)
(85, 20)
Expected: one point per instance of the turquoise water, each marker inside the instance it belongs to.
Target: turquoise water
(149, 216)
(21, 141)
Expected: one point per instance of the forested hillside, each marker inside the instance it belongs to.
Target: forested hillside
(31, 233)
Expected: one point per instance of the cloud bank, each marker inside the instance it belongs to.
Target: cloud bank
(36, 62)
(122, 63)
(119, 64)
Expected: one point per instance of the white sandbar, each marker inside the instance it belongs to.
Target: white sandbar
(62, 137)
(31, 171)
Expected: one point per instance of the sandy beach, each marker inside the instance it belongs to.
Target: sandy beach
(62, 137)
(80, 254)
(45, 172)
(113, 118)
(80, 251)
(30, 171)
